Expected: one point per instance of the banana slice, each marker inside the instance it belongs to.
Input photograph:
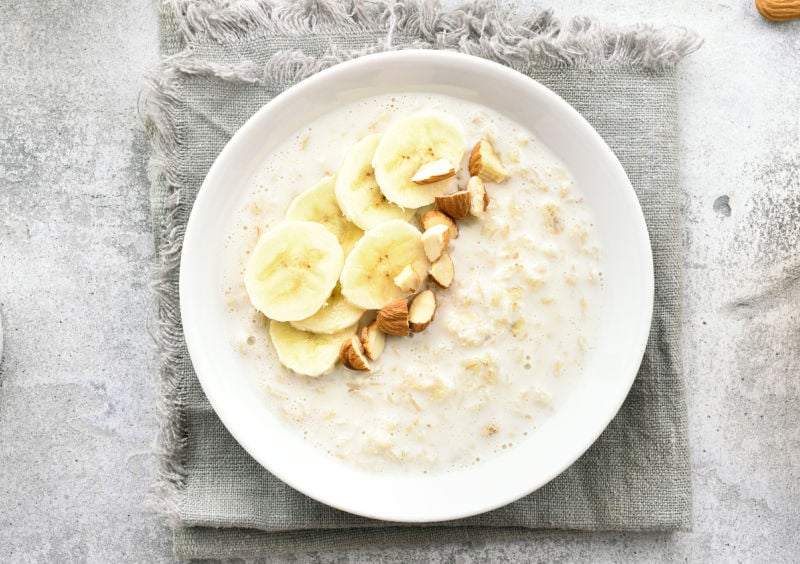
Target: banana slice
(409, 144)
(319, 204)
(357, 192)
(381, 254)
(334, 316)
(309, 354)
(293, 270)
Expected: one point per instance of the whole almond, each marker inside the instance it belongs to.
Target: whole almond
(779, 10)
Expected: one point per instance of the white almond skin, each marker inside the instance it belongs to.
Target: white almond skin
(373, 341)
(442, 271)
(422, 311)
(408, 280)
(485, 163)
(436, 217)
(435, 240)
(478, 201)
(434, 172)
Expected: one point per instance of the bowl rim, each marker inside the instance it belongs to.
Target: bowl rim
(191, 336)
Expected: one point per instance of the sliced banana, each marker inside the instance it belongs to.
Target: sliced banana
(357, 191)
(406, 146)
(319, 204)
(293, 269)
(377, 259)
(310, 354)
(337, 314)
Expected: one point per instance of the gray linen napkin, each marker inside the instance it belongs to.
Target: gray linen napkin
(223, 61)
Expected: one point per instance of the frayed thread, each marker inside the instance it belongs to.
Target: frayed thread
(283, 68)
(484, 29)
(160, 102)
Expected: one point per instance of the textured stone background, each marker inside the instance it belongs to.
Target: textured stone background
(76, 380)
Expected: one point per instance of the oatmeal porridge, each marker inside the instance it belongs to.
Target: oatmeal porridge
(482, 321)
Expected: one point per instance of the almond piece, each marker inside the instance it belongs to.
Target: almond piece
(484, 162)
(408, 280)
(373, 340)
(778, 10)
(351, 354)
(422, 312)
(480, 199)
(435, 217)
(393, 318)
(455, 205)
(443, 271)
(434, 172)
(434, 241)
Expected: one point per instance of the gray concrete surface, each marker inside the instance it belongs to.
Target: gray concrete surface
(77, 384)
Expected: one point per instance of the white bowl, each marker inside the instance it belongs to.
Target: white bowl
(610, 368)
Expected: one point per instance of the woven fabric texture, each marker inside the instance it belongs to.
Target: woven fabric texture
(220, 66)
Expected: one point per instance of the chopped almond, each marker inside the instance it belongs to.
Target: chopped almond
(480, 199)
(435, 217)
(373, 340)
(455, 205)
(434, 172)
(484, 162)
(408, 280)
(351, 354)
(422, 312)
(435, 240)
(393, 318)
(443, 271)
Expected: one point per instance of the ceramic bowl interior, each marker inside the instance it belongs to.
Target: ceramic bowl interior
(610, 367)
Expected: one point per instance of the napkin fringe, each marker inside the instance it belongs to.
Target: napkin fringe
(485, 29)
(161, 100)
